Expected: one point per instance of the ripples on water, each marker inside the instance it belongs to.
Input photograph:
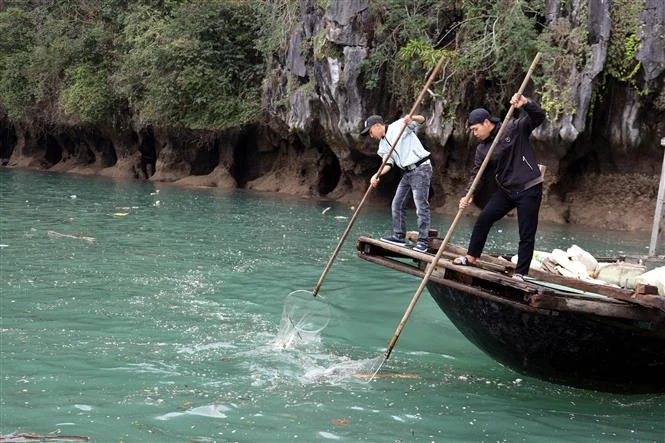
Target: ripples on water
(167, 327)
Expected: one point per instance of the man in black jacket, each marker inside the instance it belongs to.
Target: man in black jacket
(518, 178)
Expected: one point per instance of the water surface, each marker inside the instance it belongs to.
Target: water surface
(165, 328)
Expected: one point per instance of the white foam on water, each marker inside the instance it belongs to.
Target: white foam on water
(299, 358)
(143, 368)
(205, 347)
(170, 415)
(329, 435)
(344, 370)
(295, 356)
(211, 411)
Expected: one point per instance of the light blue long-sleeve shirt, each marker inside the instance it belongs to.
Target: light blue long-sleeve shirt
(409, 149)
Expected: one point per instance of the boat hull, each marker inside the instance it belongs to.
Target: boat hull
(569, 348)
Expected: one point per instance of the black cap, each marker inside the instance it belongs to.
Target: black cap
(371, 121)
(479, 115)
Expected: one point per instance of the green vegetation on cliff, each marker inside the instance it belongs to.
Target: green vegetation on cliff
(483, 41)
(201, 64)
(191, 64)
(624, 43)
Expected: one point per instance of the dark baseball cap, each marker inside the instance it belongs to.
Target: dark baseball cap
(479, 115)
(371, 121)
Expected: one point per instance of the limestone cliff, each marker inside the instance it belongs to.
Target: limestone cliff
(602, 150)
(603, 157)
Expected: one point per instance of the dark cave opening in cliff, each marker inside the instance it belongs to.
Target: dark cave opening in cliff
(87, 154)
(245, 155)
(53, 153)
(329, 172)
(206, 160)
(7, 142)
(148, 151)
(108, 154)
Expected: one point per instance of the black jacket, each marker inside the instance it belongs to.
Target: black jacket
(513, 159)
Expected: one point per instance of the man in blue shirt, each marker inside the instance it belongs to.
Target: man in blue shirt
(413, 159)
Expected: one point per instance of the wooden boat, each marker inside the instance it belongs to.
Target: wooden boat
(553, 328)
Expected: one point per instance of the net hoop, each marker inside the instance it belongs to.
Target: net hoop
(306, 313)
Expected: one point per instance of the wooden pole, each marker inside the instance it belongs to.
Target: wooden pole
(479, 174)
(658, 215)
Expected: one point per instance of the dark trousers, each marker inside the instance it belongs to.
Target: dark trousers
(500, 203)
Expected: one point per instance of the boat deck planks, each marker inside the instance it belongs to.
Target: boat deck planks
(498, 270)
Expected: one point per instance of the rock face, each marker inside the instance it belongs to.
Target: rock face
(603, 156)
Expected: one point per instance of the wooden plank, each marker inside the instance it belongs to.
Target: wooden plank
(369, 245)
(650, 301)
(642, 288)
(598, 307)
(435, 243)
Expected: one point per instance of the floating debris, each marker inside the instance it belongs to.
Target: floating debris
(21, 437)
(370, 376)
(54, 234)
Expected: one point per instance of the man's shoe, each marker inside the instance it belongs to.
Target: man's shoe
(519, 277)
(463, 261)
(401, 241)
(420, 247)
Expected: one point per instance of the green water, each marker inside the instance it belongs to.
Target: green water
(166, 327)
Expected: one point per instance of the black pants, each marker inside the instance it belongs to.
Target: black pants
(500, 203)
